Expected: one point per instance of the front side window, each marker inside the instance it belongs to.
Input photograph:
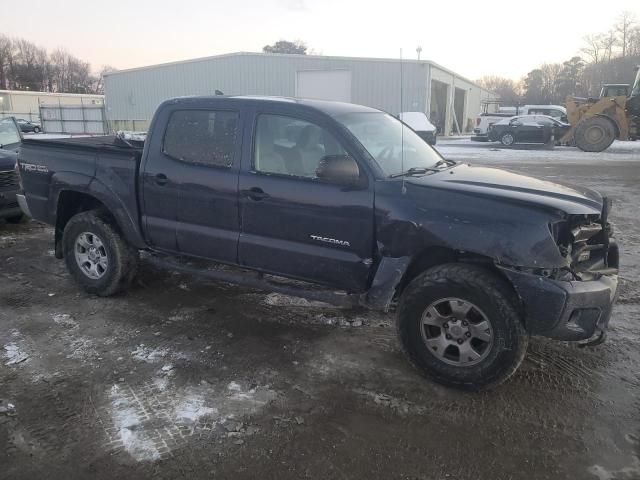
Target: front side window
(393, 145)
(290, 146)
(202, 137)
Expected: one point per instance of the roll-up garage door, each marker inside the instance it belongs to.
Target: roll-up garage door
(324, 85)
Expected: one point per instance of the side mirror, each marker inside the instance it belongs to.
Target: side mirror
(340, 169)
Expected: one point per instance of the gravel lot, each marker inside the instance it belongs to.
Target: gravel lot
(185, 378)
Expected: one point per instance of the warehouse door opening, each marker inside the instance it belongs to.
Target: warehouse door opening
(324, 85)
(438, 105)
(458, 108)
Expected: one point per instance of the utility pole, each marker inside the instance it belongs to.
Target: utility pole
(419, 51)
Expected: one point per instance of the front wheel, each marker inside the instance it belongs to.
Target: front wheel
(459, 324)
(96, 255)
(507, 139)
(36, 130)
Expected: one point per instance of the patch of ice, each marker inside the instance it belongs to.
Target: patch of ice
(127, 422)
(82, 348)
(149, 354)
(279, 300)
(632, 472)
(234, 387)
(65, 320)
(145, 432)
(13, 354)
(161, 383)
(192, 408)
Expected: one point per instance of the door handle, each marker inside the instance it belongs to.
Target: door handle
(255, 193)
(161, 179)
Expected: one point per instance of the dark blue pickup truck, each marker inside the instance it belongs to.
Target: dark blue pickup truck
(474, 260)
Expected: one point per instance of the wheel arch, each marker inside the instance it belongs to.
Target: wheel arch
(394, 275)
(71, 202)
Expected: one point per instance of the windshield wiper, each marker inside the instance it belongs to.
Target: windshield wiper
(445, 160)
(414, 171)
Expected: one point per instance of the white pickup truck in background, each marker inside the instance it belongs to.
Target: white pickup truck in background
(419, 123)
(484, 120)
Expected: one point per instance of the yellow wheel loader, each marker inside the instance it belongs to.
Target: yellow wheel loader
(596, 123)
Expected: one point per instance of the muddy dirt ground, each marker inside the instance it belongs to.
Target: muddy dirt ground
(185, 378)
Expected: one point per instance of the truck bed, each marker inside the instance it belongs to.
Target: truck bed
(104, 167)
(103, 142)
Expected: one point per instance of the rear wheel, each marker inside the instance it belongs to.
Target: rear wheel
(595, 134)
(507, 139)
(459, 324)
(36, 129)
(96, 255)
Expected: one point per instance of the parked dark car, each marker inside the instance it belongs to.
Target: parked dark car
(473, 259)
(28, 127)
(10, 139)
(527, 129)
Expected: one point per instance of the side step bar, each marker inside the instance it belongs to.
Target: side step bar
(257, 281)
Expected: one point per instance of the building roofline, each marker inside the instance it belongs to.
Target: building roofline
(50, 94)
(289, 55)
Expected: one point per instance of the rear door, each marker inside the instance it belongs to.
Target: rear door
(293, 223)
(190, 182)
(205, 144)
(160, 190)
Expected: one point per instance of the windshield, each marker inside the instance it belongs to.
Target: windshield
(9, 133)
(382, 135)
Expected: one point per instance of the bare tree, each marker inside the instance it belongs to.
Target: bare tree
(624, 27)
(6, 55)
(99, 84)
(505, 88)
(609, 41)
(594, 47)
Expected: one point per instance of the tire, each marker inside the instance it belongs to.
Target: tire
(100, 238)
(17, 219)
(494, 359)
(595, 134)
(36, 129)
(507, 139)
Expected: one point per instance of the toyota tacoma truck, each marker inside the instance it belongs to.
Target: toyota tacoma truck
(349, 203)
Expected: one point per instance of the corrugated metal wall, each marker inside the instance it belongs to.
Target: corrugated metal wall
(135, 94)
(132, 96)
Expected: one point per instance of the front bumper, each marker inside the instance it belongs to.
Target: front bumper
(9, 206)
(24, 206)
(569, 311)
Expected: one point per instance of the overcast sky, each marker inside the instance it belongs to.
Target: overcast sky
(474, 38)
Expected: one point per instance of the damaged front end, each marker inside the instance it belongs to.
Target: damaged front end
(586, 243)
(573, 301)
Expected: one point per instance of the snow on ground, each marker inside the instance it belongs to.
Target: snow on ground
(467, 150)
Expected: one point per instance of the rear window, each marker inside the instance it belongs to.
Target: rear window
(203, 137)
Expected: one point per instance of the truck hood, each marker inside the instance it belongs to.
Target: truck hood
(514, 187)
(7, 159)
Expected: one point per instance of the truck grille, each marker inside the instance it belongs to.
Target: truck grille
(8, 178)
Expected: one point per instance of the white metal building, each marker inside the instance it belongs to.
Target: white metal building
(132, 95)
(26, 104)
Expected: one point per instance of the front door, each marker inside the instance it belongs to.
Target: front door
(292, 222)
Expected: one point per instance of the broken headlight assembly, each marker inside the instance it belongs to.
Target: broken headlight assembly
(586, 243)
